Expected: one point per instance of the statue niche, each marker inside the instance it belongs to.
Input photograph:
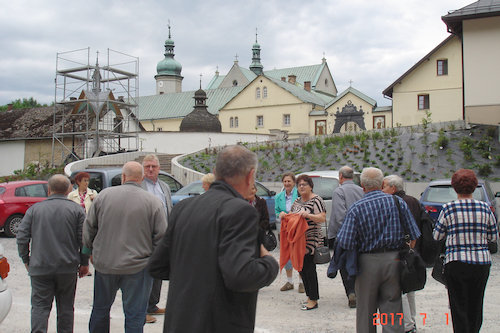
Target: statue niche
(349, 113)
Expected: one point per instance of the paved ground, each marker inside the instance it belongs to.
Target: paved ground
(276, 311)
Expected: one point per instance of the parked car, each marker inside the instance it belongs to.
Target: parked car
(195, 188)
(15, 199)
(5, 293)
(325, 182)
(439, 192)
(106, 177)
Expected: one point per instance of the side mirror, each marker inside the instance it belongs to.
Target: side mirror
(497, 195)
(273, 193)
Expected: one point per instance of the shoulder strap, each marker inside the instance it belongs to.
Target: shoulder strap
(405, 230)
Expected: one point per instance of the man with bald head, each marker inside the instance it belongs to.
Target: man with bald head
(373, 228)
(53, 228)
(123, 226)
(211, 254)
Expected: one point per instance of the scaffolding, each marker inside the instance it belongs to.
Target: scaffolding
(95, 106)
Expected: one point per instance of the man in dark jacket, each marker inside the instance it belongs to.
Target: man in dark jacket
(211, 254)
(53, 228)
(394, 185)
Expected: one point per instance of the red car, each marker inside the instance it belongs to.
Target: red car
(15, 199)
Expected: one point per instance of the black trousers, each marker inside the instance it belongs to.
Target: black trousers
(466, 285)
(310, 277)
(154, 297)
(44, 288)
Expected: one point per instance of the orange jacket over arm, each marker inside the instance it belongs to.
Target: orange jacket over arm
(293, 240)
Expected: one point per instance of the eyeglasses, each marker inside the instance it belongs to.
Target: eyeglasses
(302, 184)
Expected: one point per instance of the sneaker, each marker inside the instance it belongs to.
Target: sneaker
(287, 286)
(352, 301)
(150, 319)
(301, 288)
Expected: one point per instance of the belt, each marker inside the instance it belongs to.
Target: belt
(380, 250)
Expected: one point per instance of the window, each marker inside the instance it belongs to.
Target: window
(231, 122)
(423, 102)
(36, 191)
(264, 92)
(257, 93)
(160, 129)
(442, 67)
(286, 120)
(235, 121)
(260, 121)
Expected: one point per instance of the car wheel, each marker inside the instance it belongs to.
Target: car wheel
(11, 225)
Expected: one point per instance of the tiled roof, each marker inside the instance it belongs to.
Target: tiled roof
(179, 105)
(355, 92)
(478, 9)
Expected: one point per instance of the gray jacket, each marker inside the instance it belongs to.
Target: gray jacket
(342, 199)
(54, 229)
(166, 191)
(124, 225)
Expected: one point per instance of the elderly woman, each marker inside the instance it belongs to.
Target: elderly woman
(312, 208)
(207, 180)
(466, 225)
(282, 204)
(83, 195)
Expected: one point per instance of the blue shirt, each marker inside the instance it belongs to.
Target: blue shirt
(373, 223)
(155, 188)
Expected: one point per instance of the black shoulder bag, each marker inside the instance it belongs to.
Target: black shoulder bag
(413, 274)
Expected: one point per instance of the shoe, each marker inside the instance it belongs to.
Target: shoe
(301, 288)
(158, 311)
(306, 308)
(150, 319)
(352, 301)
(287, 286)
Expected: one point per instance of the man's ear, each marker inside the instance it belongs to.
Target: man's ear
(250, 178)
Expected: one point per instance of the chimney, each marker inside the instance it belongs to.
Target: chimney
(292, 78)
(9, 107)
(283, 79)
(307, 85)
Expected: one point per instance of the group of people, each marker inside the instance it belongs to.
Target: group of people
(367, 229)
(208, 247)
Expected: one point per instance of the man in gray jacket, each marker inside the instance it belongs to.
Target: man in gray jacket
(160, 189)
(124, 225)
(54, 229)
(342, 199)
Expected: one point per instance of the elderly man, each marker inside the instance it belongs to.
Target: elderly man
(211, 253)
(54, 227)
(394, 185)
(160, 189)
(372, 227)
(124, 225)
(342, 199)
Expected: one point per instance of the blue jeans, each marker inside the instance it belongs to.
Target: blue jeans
(135, 294)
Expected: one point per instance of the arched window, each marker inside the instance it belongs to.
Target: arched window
(231, 122)
(264, 92)
(235, 121)
(257, 93)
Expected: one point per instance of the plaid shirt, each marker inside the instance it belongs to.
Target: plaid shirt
(468, 225)
(373, 223)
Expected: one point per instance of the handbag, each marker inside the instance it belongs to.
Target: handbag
(322, 253)
(269, 240)
(438, 269)
(413, 273)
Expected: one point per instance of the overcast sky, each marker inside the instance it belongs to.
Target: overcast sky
(371, 42)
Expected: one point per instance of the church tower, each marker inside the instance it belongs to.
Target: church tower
(168, 79)
(256, 66)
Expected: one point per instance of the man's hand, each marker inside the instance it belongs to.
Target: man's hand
(83, 271)
(263, 251)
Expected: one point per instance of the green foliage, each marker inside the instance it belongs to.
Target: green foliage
(484, 170)
(426, 120)
(466, 146)
(442, 141)
(33, 171)
(23, 104)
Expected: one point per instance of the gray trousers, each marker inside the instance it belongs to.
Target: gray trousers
(44, 288)
(378, 293)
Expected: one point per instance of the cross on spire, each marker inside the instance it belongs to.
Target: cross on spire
(236, 58)
(169, 29)
(200, 79)
(256, 35)
(350, 83)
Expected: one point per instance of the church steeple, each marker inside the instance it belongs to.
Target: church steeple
(256, 66)
(169, 77)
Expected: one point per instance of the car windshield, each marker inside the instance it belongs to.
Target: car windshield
(193, 188)
(446, 193)
(324, 186)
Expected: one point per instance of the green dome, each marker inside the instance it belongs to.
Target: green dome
(169, 66)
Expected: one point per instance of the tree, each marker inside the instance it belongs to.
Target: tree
(23, 104)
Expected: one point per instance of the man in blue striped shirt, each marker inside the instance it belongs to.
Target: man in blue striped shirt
(373, 228)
